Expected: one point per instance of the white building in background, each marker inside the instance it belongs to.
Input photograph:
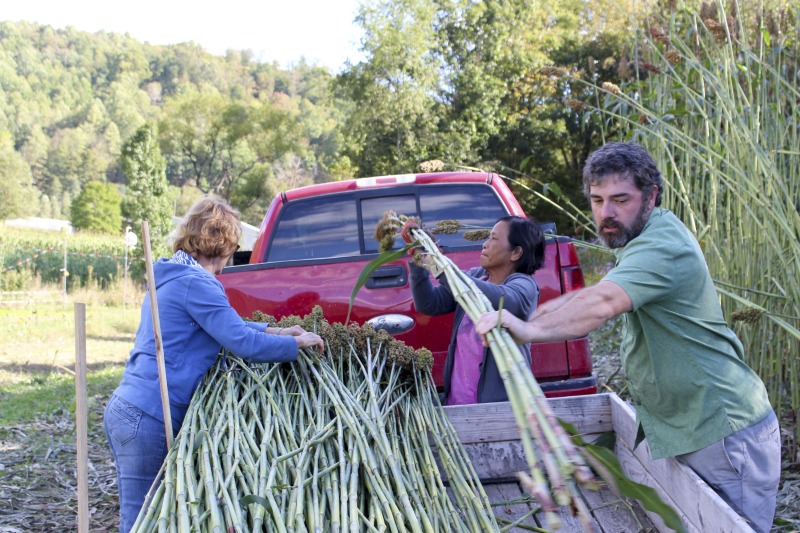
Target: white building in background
(249, 236)
(49, 224)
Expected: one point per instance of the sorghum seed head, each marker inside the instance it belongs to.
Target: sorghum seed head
(748, 316)
(476, 235)
(434, 165)
(447, 227)
(558, 72)
(716, 29)
(651, 67)
(673, 56)
(659, 36)
(577, 105)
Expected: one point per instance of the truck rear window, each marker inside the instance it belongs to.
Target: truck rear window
(343, 225)
(316, 228)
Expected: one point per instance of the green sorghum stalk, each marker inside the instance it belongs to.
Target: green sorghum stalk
(536, 421)
(323, 444)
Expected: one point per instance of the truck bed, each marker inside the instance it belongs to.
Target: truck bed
(611, 514)
(491, 438)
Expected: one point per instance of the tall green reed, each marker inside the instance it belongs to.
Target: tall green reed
(714, 96)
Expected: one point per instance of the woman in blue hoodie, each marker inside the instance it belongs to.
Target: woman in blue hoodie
(196, 321)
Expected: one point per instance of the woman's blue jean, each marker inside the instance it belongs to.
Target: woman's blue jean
(139, 445)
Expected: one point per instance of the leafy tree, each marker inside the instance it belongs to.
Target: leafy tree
(128, 107)
(15, 182)
(192, 135)
(45, 207)
(64, 205)
(33, 148)
(185, 197)
(488, 51)
(395, 118)
(434, 79)
(550, 142)
(226, 147)
(463, 81)
(98, 208)
(148, 197)
(67, 161)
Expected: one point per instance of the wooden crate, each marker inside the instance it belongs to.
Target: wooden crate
(491, 438)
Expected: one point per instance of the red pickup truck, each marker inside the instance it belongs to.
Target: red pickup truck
(314, 242)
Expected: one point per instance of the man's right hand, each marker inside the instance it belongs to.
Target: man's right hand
(488, 321)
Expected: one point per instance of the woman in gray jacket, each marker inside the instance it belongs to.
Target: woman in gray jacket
(510, 256)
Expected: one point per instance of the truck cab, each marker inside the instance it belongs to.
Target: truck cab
(315, 241)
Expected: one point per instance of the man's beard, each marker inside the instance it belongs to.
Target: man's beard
(624, 235)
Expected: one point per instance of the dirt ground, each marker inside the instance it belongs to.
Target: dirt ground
(38, 476)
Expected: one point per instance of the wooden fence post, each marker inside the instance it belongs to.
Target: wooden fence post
(81, 418)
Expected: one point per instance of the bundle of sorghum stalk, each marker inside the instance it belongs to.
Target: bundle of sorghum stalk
(339, 442)
(548, 448)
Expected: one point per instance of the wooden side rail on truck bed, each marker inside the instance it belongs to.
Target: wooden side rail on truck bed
(491, 438)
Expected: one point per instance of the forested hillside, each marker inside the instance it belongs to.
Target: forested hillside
(69, 100)
(478, 84)
(449, 80)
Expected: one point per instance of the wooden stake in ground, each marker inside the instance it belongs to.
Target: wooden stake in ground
(81, 429)
(162, 369)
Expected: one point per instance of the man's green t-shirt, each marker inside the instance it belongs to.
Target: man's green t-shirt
(685, 367)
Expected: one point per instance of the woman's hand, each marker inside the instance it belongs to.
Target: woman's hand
(303, 338)
(309, 340)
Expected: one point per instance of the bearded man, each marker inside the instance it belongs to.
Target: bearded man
(695, 397)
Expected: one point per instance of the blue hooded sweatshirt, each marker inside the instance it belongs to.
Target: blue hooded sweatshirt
(196, 321)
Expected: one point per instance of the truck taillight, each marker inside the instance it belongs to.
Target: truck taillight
(571, 273)
(571, 279)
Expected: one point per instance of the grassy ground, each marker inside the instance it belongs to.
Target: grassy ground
(37, 354)
(37, 392)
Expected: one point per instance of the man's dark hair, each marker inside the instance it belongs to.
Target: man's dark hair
(526, 234)
(628, 159)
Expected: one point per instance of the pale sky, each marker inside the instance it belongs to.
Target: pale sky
(322, 31)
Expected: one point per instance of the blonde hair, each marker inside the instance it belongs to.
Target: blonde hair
(210, 228)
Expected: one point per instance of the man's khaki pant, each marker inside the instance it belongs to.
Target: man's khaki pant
(744, 468)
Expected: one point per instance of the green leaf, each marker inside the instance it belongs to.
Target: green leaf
(198, 441)
(252, 498)
(525, 163)
(607, 465)
(606, 440)
(552, 187)
(385, 257)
